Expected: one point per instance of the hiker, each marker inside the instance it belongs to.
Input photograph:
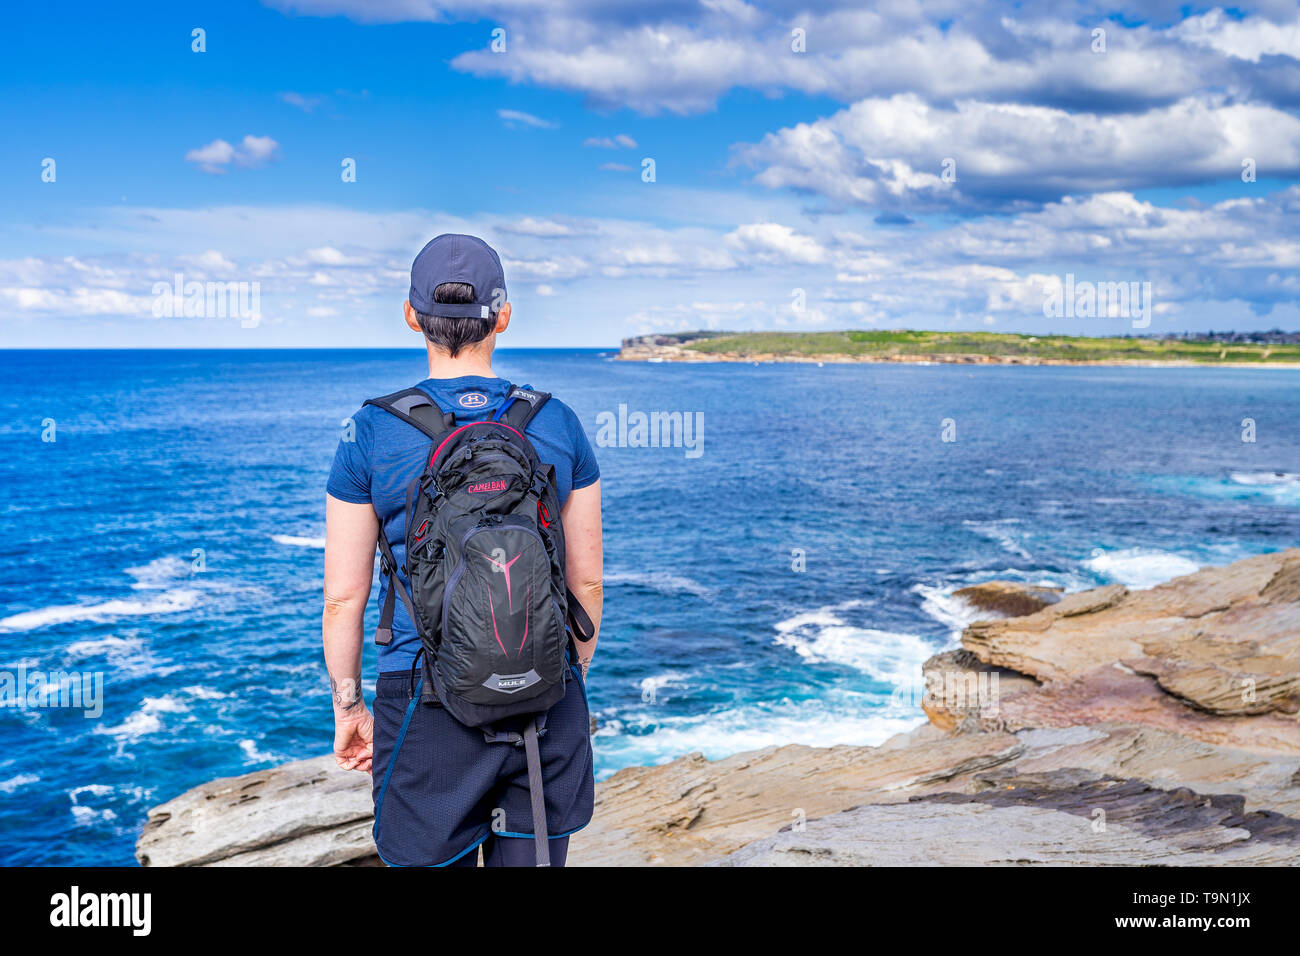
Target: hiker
(484, 499)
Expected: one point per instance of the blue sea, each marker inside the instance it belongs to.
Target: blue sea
(780, 587)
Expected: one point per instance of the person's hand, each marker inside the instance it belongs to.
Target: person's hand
(354, 736)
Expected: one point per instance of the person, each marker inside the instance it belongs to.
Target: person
(450, 792)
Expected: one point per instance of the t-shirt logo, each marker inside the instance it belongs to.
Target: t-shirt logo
(473, 400)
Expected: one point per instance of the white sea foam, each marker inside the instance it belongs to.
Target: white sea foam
(1139, 568)
(822, 635)
(1282, 487)
(158, 575)
(22, 780)
(169, 602)
(945, 607)
(659, 581)
(147, 720)
(253, 755)
(104, 645)
(298, 541)
(1003, 532)
(84, 815)
(1266, 478)
(645, 737)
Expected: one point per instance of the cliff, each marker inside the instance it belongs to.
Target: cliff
(1104, 727)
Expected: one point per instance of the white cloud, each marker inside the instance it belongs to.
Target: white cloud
(893, 152)
(217, 155)
(517, 118)
(1248, 39)
(305, 103)
(621, 141)
(771, 241)
(544, 228)
(1220, 265)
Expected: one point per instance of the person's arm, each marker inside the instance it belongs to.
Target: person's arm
(351, 533)
(584, 560)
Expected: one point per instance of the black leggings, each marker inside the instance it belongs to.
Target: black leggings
(514, 851)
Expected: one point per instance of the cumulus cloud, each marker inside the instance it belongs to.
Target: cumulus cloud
(896, 151)
(773, 242)
(217, 156)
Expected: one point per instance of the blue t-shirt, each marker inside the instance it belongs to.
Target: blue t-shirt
(387, 454)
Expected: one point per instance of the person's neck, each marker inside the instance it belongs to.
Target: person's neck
(468, 362)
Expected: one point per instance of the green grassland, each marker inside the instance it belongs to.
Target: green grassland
(998, 345)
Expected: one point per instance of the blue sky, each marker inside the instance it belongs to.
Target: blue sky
(775, 170)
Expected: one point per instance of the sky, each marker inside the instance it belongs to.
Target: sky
(645, 167)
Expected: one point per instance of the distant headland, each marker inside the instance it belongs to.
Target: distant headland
(1274, 348)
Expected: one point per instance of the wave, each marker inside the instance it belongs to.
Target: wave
(663, 583)
(822, 636)
(945, 607)
(645, 737)
(158, 575)
(298, 541)
(253, 755)
(1265, 478)
(107, 646)
(170, 602)
(1278, 487)
(1139, 568)
(22, 780)
(1007, 539)
(147, 720)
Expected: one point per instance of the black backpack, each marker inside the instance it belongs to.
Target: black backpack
(485, 561)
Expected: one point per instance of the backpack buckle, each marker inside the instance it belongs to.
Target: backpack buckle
(512, 737)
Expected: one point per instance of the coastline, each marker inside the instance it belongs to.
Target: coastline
(908, 347)
(1107, 726)
(668, 353)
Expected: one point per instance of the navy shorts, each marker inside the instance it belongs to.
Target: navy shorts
(440, 789)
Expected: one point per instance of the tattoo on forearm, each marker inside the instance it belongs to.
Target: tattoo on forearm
(584, 664)
(347, 693)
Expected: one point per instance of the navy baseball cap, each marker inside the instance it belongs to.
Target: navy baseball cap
(455, 258)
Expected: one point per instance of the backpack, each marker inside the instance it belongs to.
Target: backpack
(485, 562)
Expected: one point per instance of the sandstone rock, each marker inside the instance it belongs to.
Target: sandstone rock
(1008, 598)
(1226, 640)
(1056, 819)
(306, 813)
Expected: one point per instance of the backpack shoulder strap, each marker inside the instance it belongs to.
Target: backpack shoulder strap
(521, 405)
(416, 408)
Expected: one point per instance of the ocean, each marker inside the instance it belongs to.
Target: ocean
(779, 578)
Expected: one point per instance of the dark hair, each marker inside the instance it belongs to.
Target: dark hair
(455, 334)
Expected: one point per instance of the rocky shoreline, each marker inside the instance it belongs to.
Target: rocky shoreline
(1155, 727)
